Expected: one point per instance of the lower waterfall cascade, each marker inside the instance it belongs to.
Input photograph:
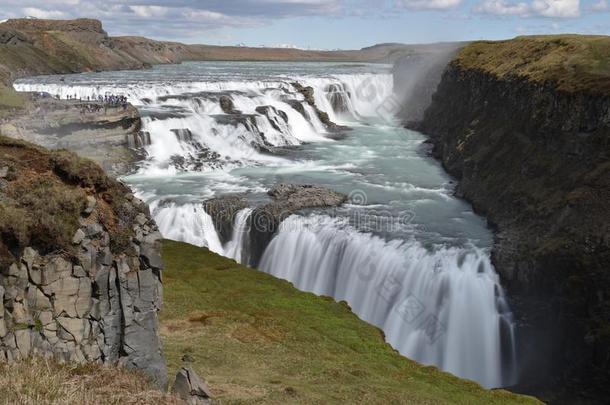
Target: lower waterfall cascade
(217, 128)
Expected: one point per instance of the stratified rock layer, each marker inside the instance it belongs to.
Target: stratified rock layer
(108, 135)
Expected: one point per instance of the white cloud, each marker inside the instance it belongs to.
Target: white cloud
(204, 15)
(39, 13)
(428, 4)
(149, 11)
(557, 8)
(543, 8)
(501, 7)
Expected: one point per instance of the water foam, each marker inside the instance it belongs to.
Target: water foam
(441, 306)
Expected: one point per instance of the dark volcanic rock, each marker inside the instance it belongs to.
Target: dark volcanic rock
(273, 115)
(227, 105)
(535, 161)
(338, 97)
(12, 37)
(298, 106)
(308, 94)
(223, 211)
(287, 199)
(306, 91)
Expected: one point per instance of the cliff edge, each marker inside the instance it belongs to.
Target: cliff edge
(525, 126)
(80, 264)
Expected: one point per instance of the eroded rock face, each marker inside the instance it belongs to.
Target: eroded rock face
(287, 199)
(93, 306)
(223, 211)
(110, 136)
(534, 160)
(265, 219)
(308, 94)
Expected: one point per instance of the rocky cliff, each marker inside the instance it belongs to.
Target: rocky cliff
(525, 126)
(80, 264)
(107, 134)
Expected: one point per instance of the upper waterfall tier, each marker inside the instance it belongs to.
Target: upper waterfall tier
(213, 121)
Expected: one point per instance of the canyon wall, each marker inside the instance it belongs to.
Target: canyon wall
(525, 126)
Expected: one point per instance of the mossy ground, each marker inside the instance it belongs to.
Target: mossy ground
(43, 195)
(257, 339)
(10, 101)
(573, 62)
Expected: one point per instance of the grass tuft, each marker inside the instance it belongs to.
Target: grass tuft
(39, 381)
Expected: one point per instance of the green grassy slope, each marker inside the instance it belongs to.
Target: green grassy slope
(10, 101)
(257, 339)
(573, 62)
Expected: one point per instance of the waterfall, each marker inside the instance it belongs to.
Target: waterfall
(267, 114)
(236, 248)
(187, 223)
(438, 305)
(442, 307)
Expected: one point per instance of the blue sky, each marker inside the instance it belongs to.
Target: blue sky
(326, 24)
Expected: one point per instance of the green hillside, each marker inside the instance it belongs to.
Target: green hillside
(257, 339)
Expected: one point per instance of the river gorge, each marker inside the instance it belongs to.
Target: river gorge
(405, 253)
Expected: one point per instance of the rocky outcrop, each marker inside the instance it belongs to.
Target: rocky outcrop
(227, 105)
(265, 218)
(534, 160)
(223, 211)
(80, 25)
(80, 264)
(12, 37)
(308, 95)
(277, 118)
(108, 135)
(287, 199)
(189, 387)
(96, 306)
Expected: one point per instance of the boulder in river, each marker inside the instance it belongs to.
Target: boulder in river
(227, 105)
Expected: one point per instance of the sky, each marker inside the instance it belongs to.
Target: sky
(325, 24)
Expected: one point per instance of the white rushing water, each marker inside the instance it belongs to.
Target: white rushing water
(188, 223)
(190, 131)
(236, 248)
(435, 306)
(427, 281)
